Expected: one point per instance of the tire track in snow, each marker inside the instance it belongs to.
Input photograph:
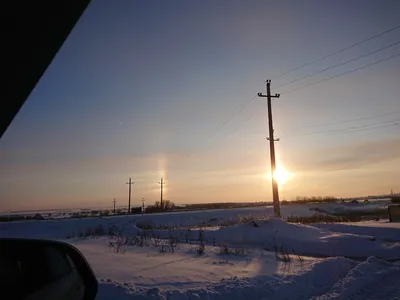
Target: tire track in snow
(305, 285)
(371, 279)
(166, 263)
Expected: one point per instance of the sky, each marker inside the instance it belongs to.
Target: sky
(151, 89)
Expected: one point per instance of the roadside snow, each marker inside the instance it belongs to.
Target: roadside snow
(343, 208)
(348, 241)
(185, 268)
(381, 231)
(321, 272)
(333, 278)
(60, 229)
(144, 273)
(371, 279)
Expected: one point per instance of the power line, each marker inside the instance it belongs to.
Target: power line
(341, 64)
(354, 120)
(342, 74)
(221, 126)
(349, 129)
(240, 126)
(313, 83)
(236, 129)
(231, 117)
(340, 51)
(366, 129)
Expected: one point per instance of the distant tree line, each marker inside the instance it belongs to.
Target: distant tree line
(167, 205)
(10, 218)
(395, 199)
(224, 205)
(313, 199)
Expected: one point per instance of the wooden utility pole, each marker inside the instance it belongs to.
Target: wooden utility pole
(129, 203)
(114, 204)
(143, 205)
(162, 182)
(275, 192)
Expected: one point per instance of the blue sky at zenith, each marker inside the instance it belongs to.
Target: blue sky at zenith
(142, 89)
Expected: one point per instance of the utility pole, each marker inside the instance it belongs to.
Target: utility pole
(162, 182)
(143, 205)
(275, 193)
(114, 205)
(129, 203)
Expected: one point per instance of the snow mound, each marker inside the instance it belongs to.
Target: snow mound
(306, 240)
(345, 208)
(372, 279)
(333, 278)
(365, 228)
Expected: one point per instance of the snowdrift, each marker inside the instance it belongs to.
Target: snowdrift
(309, 240)
(333, 278)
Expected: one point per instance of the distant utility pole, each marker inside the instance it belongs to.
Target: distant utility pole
(272, 141)
(114, 204)
(143, 205)
(162, 182)
(129, 203)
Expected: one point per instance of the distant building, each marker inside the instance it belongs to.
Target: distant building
(38, 217)
(395, 199)
(136, 210)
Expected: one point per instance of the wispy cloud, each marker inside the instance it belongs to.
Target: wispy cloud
(351, 157)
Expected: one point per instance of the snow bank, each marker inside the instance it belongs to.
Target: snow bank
(304, 285)
(318, 240)
(58, 228)
(344, 208)
(334, 278)
(61, 228)
(372, 279)
(379, 231)
(268, 230)
(309, 240)
(65, 228)
(144, 273)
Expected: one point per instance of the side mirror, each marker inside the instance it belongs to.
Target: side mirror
(40, 269)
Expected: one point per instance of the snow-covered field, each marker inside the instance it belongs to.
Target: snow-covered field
(345, 208)
(262, 259)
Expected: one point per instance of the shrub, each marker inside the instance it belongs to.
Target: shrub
(173, 242)
(90, 231)
(145, 225)
(281, 252)
(157, 241)
(322, 219)
(223, 249)
(94, 231)
(201, 247)
(142, 239)
(242, 220)
(240, 251)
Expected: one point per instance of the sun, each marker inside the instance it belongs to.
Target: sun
(281, 175)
